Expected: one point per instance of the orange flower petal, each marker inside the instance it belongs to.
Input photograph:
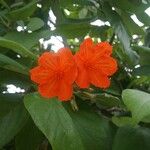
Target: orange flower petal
(107, 65)
(82, 79)
(99, 80)
(50, 89)
(85, 47)
(103, 48)
(48, 60)
(40, 75)
(65, 92)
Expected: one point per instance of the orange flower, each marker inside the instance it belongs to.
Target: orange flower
(95, 64)
(55, 74)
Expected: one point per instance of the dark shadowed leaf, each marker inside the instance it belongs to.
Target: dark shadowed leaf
(128, 138)
(23, 12)
(29, 134)
(11, 123)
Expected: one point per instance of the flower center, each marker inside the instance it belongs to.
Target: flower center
(59, 75)
(88, 65)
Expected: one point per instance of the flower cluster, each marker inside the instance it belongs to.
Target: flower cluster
(57, 72)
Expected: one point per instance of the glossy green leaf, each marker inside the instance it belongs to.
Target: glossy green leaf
(16, 47)
(23, 12)
(138, 103)
(94, 130)
(122, 33)
(28, 40)
(128, 138)
(73, 30)
(144, 18)
(10, 64)
(133, 6)
(54, 121)
(78, 129)
(11, 124)
(131, 25)
(35, 24)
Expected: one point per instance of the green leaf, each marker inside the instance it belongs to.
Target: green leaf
(147, 38)
(131, 25)
(106, 101)
(144, 53)
(17, 79)
(29, 138)
(73, 30)
(10, 64)
(11, 124)
(142, 71)
(54, 121)
(23, 12)
(128, 138)
(99, 32)
(66, 129)
(28, 40)
(122, 121)
(16, 47)
(122, 33)
(8, 102)
(133, 6)
(95, 131)
(35, 24)
(138, 103)
(143, 17)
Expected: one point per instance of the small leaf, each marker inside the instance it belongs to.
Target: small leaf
(106, 101)
(122, 121)
(35, 24)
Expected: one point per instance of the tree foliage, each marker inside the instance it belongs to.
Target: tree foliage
(117, 118)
